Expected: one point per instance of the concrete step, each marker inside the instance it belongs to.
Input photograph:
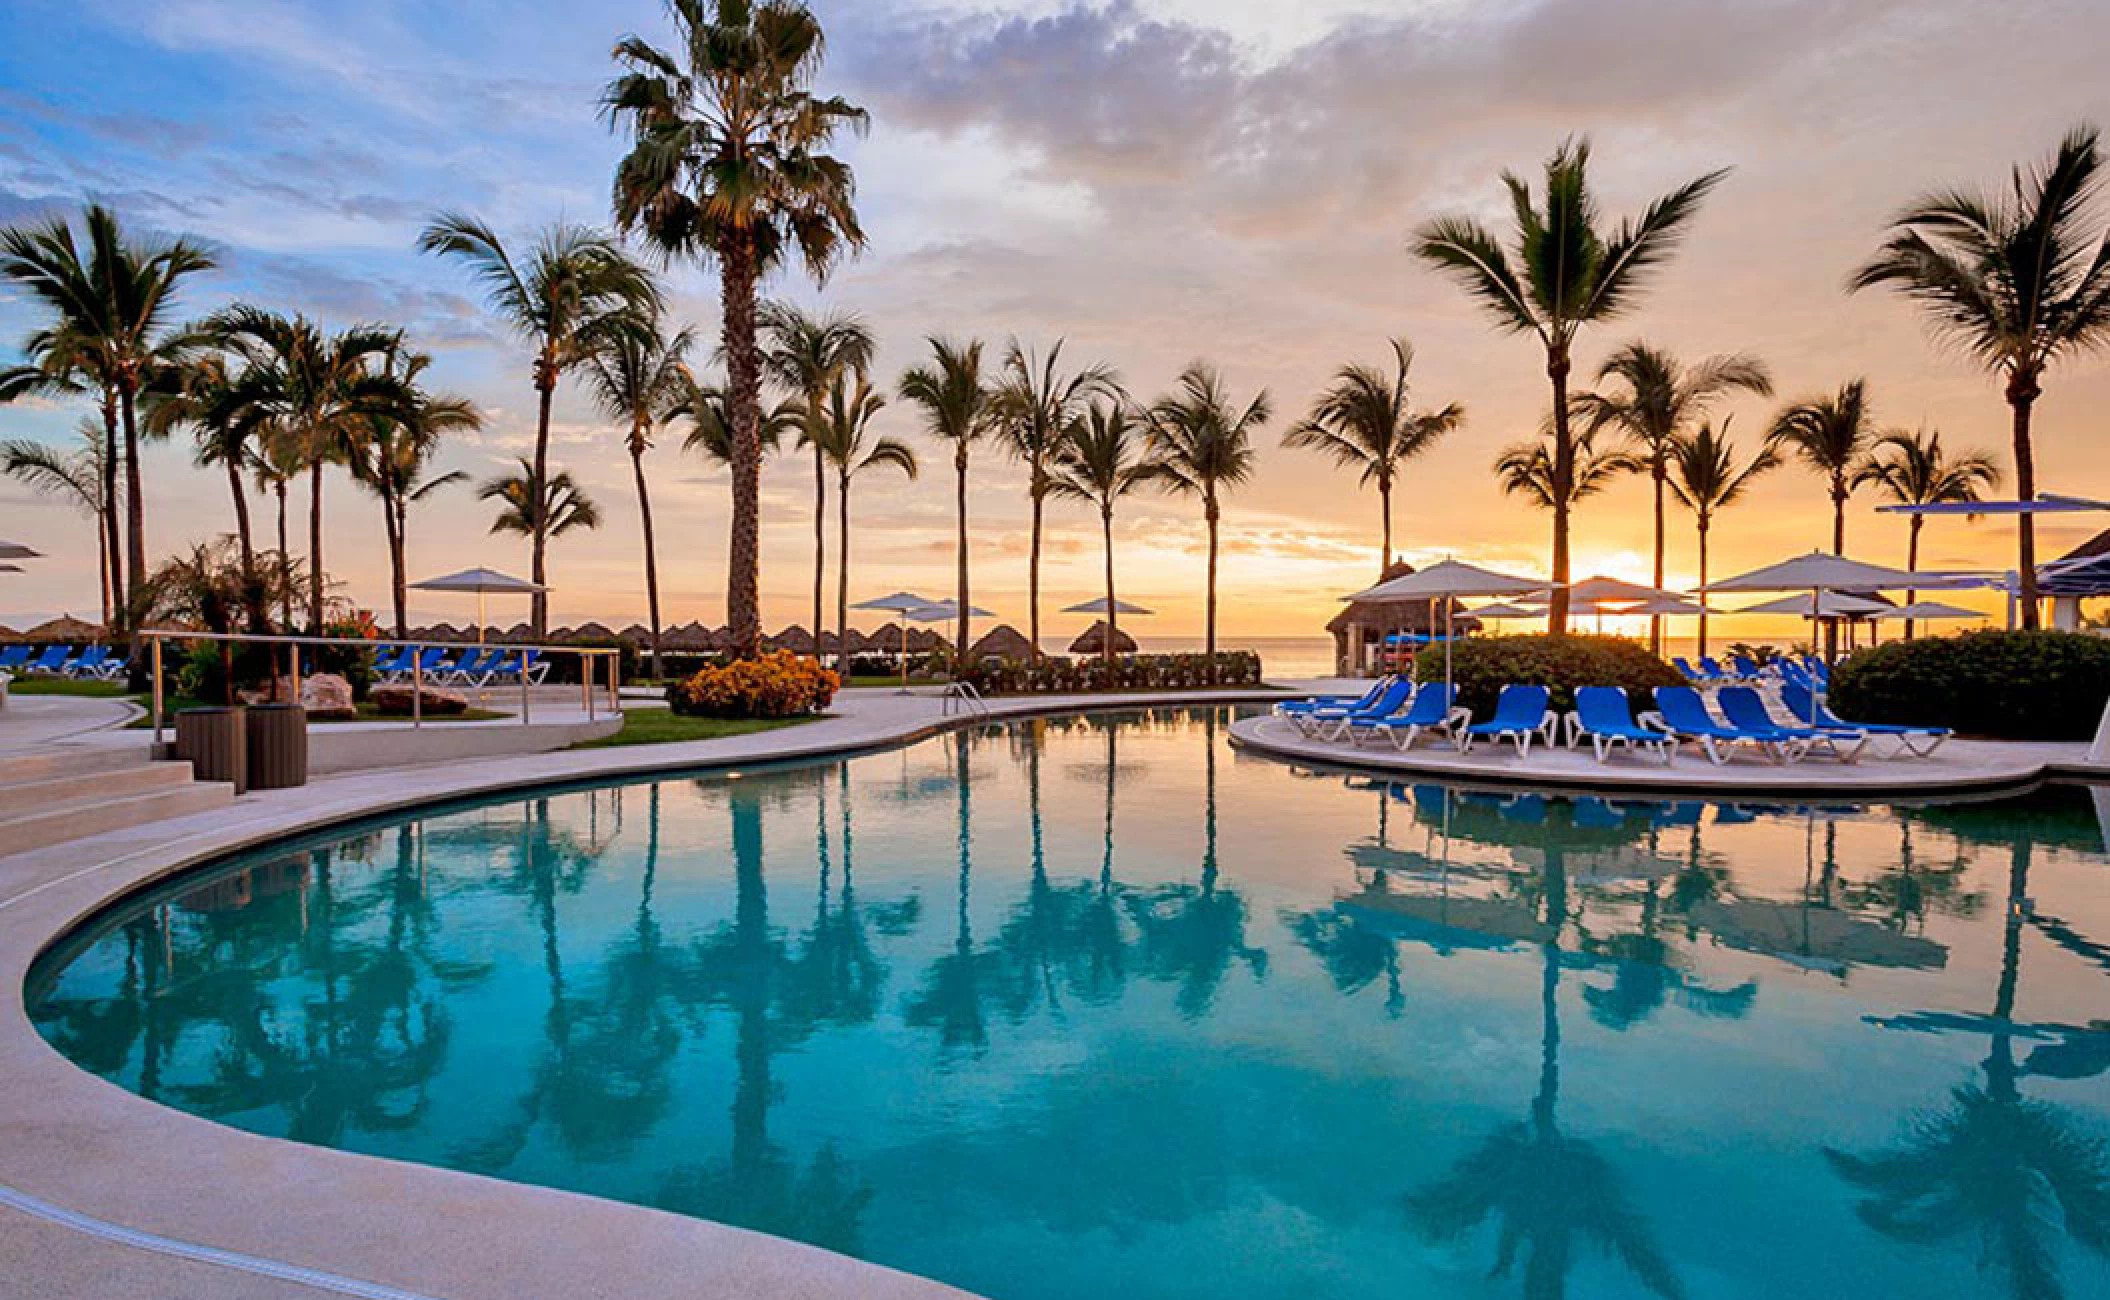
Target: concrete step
(70, 760)
(80, 818)
(21, 797)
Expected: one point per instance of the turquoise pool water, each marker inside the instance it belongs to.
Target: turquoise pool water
(1098, 1007)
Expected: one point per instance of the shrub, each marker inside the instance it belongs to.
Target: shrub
(353, 663)
(775, 684)
(1056, 674)
(2007, 685)
(1482, 666)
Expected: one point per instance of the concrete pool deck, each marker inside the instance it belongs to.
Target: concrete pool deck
(106, 1194)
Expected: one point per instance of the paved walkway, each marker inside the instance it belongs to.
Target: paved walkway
(33, 722)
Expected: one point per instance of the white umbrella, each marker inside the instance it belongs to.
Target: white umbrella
(1829, 604)
(1672, 606)
(11, 568)
(484, 582)
(1503, 609)
(17, 551)
(1099, 607)
(1816, 573)
(901, 604)
(1930, 609)
(1446, 580)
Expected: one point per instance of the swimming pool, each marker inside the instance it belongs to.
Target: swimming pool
(1096, 1006)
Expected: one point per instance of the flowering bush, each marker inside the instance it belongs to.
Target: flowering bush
(1053, 674)
(774, 684)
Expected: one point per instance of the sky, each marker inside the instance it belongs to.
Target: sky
(1154, 181)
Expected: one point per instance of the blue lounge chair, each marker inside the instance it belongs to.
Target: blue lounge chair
(1746, 708)
(389, 658)
(1521, 714)
(1687, 671)
(475, 667)
(1603, 714)
(1332, 724)
(1434, 709)
(1716, 674)
(1681, 711)
(13, 656)
(51, 661)
(1811, 711)
(89, 663)
(1747, 668)
(1294, 709)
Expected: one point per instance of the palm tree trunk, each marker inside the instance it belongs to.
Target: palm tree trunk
(1033, 573)
(315, 546)
(644, 514)
(285, 561)
(1831, 626)
(1912, 563)
(1563, 476)
(1703, 586)
(113, 537)
(538, 505)
(1659, 472)
(743, 368)
(398, 589)
(1209, 640)
(2022, 396)
(820, 533)
(102, 568)
(959, 465)
(842, 585)
(1106, 533)
(135, 500)
(241, 520)
(1384, 508)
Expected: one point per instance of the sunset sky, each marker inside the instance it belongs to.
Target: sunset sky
(1155, 180)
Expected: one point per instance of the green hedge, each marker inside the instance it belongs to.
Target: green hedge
(2007, 685)
(1483, 665)
(1057, 675)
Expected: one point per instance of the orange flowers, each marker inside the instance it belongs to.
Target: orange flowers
(775, 684)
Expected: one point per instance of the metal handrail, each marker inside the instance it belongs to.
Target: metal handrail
(154, 638)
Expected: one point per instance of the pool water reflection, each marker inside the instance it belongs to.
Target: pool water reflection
(1097, 1006)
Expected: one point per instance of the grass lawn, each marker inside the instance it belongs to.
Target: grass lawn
(665, 727)
(863, 683)
(66, 686)
(367, 713)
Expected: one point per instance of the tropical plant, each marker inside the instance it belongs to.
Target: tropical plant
(1201, 445)
(1103, 459)
(1365, 422)
(1532, 470)
(57, 368)
(109, 308)
(956, 404)
(1706, 478)
(1829, 433)
(2019, 280)
(842, 432)
(393, 460)
(774, 684)
(641, 377)
(574, 288)
(199, 393)
(1913, 469)
(1561, 273)
(804, 353)
(314, 392)
(1655, 402)
(1033, 407)
(522, 499)
(710, 432)
(728, 164)
(75, 478)
(209, 587)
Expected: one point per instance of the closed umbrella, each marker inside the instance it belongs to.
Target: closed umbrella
(484, 582)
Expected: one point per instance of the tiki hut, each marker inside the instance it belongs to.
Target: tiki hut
(519, 632)
(794, 638)
(1005, 642)
(1093, 641)
(923, 641)
(859, 643)
(691, 636)
(891, 640)
(65, 628)
(638, 634)
(586, 632)
(1360, 629)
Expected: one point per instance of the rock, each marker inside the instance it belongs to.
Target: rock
(328, 696)
(395, 699)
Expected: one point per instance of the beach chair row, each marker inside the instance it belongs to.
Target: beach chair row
(1743, 670)
(90, 663)
(488, 666)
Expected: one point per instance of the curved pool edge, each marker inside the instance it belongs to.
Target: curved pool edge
(116, 1194)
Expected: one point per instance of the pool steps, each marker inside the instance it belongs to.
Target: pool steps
(59, 794)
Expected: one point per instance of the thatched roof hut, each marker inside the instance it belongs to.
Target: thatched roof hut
(65, 628)
(637, 634)
(923, 641)
(588, 631)
(1093, 641)
(1005, 642)
(1360, 629)
(794, 638)
(690, 636)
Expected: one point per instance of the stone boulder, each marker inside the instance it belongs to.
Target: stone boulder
(326, 696)
(397, 700)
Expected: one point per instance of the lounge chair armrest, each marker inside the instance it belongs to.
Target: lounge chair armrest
(1653, 721)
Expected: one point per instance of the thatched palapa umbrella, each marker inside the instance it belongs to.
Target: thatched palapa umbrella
(1094, 641)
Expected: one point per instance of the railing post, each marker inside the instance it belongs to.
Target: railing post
(154, 651)
(524, 705)
(293, 657)
(417, 687)
(586, 683)
(615, 682)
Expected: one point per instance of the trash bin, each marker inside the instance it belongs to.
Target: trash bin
(211, 739)
(278, 746)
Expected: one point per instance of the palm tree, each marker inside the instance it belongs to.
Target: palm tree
(74, 477)
(1033, 407)
(956, 409)
(1912, 469)
(841, 434)
(641, 377)
(1830, 434)
(804, 355)
(393, 460)
(1201, 443)
(58, 367)
(1365, 422)
(1706, 479)
(574, 286)
(200, 393)
(1561, 274)
(1655, 404)
(1101, 461)
(2016, 281)
(710, 433)
(111, 307)
(728, 164)
(1532, 470)
(316, 391)
(280, 459)
(525, 503)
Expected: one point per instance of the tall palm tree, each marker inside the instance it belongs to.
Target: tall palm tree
(641, 377)
(74, 477)
(1033, 407)
(574, 286)
(1656, 401)
(316, 391)
(59, 367)
(1103, 459)
(1531, 470)
(729, 164)
(710, 434)
(1366, 423)
(200, 394)
(1913, 469)
(1201, 444)
(1830, 434)
(1706, 478)
(112, 303)
(956, 404)
(843, 435)
(393, 460)
(2019, 280)
(804, 353)
(1561, 273)
(558, 506)
(280, 459)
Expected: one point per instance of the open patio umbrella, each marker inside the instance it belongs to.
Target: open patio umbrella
(1099, 607)
(484, 582)
(1101, 644)
(1829, 604)
(12, 568)
(17, 551)
(937, 611)
(1816, 573)
(900, 604)
(1502, 609)
(1447, 580)
(1929, 609)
